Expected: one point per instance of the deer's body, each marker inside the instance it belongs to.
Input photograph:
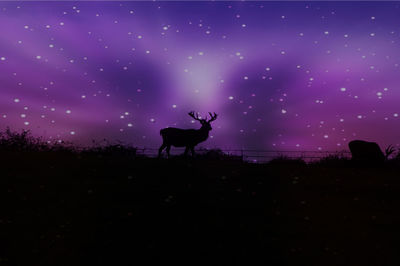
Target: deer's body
(188, 138)
(178, 137)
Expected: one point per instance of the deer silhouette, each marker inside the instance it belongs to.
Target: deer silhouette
(188, 138)
(368, 152)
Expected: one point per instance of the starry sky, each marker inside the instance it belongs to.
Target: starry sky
(280, 75)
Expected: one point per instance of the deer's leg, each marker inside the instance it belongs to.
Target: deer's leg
(192, 150)
(168, 148)
(161, 149)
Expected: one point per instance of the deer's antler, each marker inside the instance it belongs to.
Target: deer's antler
(213, 116)
(194, 115)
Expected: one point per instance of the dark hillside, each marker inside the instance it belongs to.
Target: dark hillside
(66, 208)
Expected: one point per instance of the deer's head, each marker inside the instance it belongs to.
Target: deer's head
(206, 125)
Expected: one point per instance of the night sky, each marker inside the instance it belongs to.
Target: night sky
(281, 75)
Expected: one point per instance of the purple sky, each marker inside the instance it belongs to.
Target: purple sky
(281, 75)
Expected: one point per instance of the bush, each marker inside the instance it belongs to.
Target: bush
(334, 160)
(216, 154)
(285, 160)
(24, 141)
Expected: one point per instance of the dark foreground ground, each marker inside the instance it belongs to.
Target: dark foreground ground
(68, 209)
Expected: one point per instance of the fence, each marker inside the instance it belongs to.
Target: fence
(256, 156)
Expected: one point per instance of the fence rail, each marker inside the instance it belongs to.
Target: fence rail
(255, 155)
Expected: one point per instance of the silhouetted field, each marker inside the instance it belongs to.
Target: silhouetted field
(102, 207)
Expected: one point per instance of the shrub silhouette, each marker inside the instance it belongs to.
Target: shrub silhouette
(107, 148)
(216, 154)
(285, 160)
(335, 160)
(24, 141)
(368, 153)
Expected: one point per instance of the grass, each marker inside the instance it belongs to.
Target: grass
(63, 207)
